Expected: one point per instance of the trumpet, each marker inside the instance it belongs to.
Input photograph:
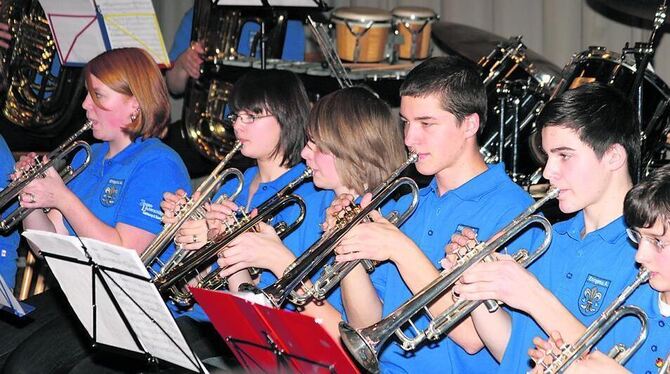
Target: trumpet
(285, 287)
(599, 327)
(192, 209)
(363, 343)
(55, 159)
(175, 279)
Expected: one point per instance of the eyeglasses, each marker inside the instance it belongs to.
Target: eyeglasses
(636, 238)
(245, 118)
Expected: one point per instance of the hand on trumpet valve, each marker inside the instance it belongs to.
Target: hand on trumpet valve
(261, 248)
(337, 210)
(461, 242)
(46, 192)
(377, 240)
(192, 235)
(171, 204)
(25, 164)
(546, 351)
(502, 279)
(220, 216)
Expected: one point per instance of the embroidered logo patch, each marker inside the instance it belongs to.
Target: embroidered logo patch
(592, 294)
(111, 192)
(148, 210)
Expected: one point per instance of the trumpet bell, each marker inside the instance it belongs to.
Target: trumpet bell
(365, 352)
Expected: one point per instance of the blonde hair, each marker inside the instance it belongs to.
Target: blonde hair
(134, 73)
(361, 132)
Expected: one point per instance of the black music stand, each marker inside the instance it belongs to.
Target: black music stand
(111, 294)
(272, 340)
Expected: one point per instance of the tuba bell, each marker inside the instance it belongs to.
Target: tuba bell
(219, 29)
(39, 93)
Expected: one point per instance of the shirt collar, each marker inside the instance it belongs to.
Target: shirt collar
(129, 151)
(278, 183)
(476, 187)
(610, 233)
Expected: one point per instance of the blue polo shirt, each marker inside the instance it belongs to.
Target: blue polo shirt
(129, 187)
(9, 242)
(265, 191)
(585, 274)
(294, 41)
(487, 202)
(651, 355)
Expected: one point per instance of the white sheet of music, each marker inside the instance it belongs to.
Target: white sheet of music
(157, 333)
(75, 28)
(133, 23)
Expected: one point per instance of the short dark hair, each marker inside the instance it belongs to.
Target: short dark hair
(282, 94)
(601, 115)
(649, 200)
(456, 81)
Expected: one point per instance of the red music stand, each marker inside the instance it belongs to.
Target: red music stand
(272, 340)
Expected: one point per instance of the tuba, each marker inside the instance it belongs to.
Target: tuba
(219, 28)
(175, 279)
(192, 209)
(363, 343)
(614, 312)
(285, 287)
(39, 93)
(56, 158)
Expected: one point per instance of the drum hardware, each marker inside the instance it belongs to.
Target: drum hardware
(329, 53)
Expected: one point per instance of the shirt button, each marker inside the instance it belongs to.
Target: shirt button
(661, 323)
(264, 188)
(430, 232)
(568, 275)
(647, 372)
(654, 348)
(437, 210)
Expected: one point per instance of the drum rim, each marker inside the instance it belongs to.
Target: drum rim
(602, 53)
(411, 10)
(381, 16)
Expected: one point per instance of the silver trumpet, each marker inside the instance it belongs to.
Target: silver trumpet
(56, 159)
(363, 343)
(614, 312)
(174, 281)
(192, 209)
(286, 287)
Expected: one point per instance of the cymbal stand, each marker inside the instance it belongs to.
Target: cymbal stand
(644, 53)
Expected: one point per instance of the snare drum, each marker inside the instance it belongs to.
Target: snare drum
(361, 33)
(413, 26)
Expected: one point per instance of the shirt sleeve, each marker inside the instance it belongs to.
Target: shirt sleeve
(142, 197)
(182, 38)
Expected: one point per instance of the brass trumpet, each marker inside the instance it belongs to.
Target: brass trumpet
(665, 369)
(192, 209)
(175, 279)
(285, 287)
(599, 327)
(55, 159)
(363, 343)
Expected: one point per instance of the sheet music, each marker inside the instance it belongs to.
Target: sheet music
(76, 282)
(74, 25)
(133, 23)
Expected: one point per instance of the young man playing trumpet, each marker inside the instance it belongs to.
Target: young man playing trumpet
(647, 213)
(592, 147)
(443, 108)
